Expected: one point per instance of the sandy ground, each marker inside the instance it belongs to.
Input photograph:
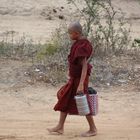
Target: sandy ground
(31, 18)
(27, 110)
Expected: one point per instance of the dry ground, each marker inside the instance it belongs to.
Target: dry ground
(27, 110)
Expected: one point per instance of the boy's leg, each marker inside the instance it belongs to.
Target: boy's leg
(92, 128)
(60, 127)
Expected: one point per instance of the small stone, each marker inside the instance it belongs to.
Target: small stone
(48, 17)
(37, 70)
(129, 78)
(122, 81)
(26, 73)
(61, 17)
(54, 10)
(108, 84)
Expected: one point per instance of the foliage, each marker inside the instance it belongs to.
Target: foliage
(100, 21)
(16, 49)
(56, 50)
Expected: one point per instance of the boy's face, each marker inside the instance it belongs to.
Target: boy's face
(73, 35)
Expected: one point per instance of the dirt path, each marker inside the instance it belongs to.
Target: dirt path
(26, 111)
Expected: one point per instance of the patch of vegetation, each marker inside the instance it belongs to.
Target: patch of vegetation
(104, 26)
(100, 20)
(137, 42)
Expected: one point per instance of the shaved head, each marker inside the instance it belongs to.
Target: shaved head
(76, 27)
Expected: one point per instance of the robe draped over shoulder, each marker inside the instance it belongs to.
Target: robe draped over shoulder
(66, 102)
(81, 48)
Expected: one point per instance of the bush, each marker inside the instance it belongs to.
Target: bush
(56, 50)
(100, 21)
(17, 49)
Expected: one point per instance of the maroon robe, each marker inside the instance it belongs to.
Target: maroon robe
(66, 102)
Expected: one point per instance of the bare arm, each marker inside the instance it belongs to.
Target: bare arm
(83, 75)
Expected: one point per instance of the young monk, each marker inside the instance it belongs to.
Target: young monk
(79, 72)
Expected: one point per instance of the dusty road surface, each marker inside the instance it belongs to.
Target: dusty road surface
(26, 110)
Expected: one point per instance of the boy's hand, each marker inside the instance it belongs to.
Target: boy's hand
(80, 88)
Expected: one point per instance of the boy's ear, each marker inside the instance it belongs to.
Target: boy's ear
(78, 33)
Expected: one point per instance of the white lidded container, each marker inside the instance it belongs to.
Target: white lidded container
(82, 104)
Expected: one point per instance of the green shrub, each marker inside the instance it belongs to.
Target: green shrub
(2, 50)
(47, 50)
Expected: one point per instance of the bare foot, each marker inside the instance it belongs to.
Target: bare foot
(56, 130)
(89, 133)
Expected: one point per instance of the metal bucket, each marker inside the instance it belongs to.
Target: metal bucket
(82, 105)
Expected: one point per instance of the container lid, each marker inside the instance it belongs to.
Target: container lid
(91, 90)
